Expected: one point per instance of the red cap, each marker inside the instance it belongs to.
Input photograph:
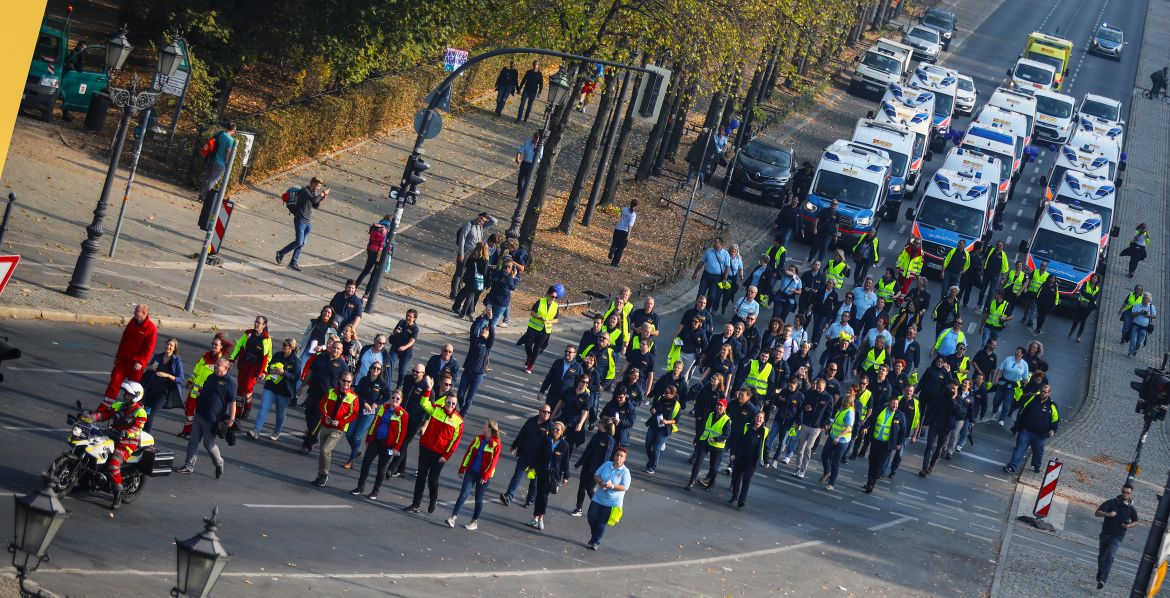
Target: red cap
(722, 402)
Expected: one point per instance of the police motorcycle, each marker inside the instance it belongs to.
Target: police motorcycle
(85, 466)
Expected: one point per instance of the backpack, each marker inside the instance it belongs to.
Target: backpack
(289, 198)
(208, 147)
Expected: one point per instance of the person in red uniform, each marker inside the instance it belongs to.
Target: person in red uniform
(438, 443)
(383, 441)
(252, 353)
(337, 409)
(134, 352)
(128, 417)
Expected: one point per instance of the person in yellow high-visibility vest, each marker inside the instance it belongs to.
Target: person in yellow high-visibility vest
(544, 315)
(909, 264)
(837, 269)
(955, 264)
(1035, 282)
(1013, 286)
(840, 430)
(716, 430)
(1087, 299)
(995, 267)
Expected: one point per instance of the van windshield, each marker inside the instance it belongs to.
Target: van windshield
(1033, 74)
(1056, 63)
(1108, 112)
(854, 192)
(1067, 249)
(1054, 107)
(881, 62)
(964, 220)
(943, 104)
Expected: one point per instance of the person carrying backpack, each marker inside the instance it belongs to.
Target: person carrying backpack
(374, 246)
(301, 206)
(216, 150)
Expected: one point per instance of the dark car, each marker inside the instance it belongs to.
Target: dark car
(1107, 41)
(941, 21)
(763, 170)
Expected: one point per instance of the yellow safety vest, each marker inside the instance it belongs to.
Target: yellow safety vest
(1038, 280)
(872, 257)
(885, 290)
(1015, 280)
(840, 429)
(542, 320)
(951, 253)
(1130, 301)
(757, 377)
(624, 321)
(863, 400)
(490, 449)
(776, 255)
(637, 341)
(872, 361)
(835, 272)
(1031, 396)
(611, 369)
(199, 375)
(349, 399)
(1003, 266)
(1089, 293)
(997, 313)
(674, 354)
(964, 365)
(881, 431)
(616, 335)
(713, 429)
(909, 266)
(674, 416)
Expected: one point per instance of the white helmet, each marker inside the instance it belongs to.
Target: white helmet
(133, 391)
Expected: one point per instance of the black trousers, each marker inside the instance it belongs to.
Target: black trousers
(617, 246)
(877, 458)
(936, 441)
(526, 101)
(585, 486)
(1042, 312)
(522, 179)
(544, 486)
(374, 451)
(703, 450)
(429, 468)
(371, 261)
(399, 464)
(741, 478)
(312, 421)
(1080, 317)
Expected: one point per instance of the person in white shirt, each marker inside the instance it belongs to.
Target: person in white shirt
(621, 233)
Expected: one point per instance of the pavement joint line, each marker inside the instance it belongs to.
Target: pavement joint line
(861, 504)
(979, 537)
(898, 521)
(463, 574)
(940, 526)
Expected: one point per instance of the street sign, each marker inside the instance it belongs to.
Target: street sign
(1047, 489)
(434, 127)
(221, 224)
(453, 58)
(249, 141)
(7, 267)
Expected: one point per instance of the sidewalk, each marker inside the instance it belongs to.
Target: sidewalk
(1096, 446)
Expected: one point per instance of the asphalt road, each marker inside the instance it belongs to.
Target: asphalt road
(937, 536)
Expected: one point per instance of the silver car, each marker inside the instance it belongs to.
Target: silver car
(967, 96)
(926, 42)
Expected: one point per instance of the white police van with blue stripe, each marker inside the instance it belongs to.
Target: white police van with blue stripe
(913, 109)
(1069, 239)
(857, 177)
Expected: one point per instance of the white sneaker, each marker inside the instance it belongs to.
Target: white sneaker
(275, 437)
(1001, 422)
(540, 525)
(958, 449)
(450, 522)
(474, 525)
(502, 325)
(786, 460)
(775, 463)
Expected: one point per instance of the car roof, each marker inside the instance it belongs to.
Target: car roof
(1101, 99)
(1057, 95)
(939, 11)
(1027, 62)
(1109, 27)
(924, 28)
(770, 145)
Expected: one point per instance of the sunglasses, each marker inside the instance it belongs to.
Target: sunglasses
(347, 381)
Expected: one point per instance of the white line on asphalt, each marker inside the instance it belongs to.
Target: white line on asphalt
(922, 492)
(57, 371)
(1008, 242)
(463, 574)
(898, 521)
(946, 517)
(32, 429)
(962, 469)
(1015, 225)
(949, 529)
(902, 229)
(988, 528)
(829, 494)
(253, 506)
(948, 499)
(1020, 212)
(681, 452)
(912, 496)
(979, 537)
(988, 517)
(512, 417)
(911, 507)
(892, 243)
(971, 328)
(1028, 190)
(861, 504)
(981, 458)
(985, 509)
(787, 483)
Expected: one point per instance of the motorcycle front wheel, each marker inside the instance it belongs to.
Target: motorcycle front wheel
(65, 469)
(132, 487)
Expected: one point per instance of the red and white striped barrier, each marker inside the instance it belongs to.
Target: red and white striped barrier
(1047, 492)
(221, 224)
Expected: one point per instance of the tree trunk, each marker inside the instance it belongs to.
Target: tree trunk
(552, 148)
(680, 126)
(223, 93)
(606, 153)
(668, 133)
(646, 164)
(879, 17)
(749, 105)
(570, 213)
(612, 178)
(715, 110)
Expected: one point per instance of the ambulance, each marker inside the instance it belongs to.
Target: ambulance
(944, 83)
(999, 144)
(913, 109)
(1107, 109)
(1069, 240)
(957, 205)
(858, 177)
(1016, 102)
(1055, 52)
(1054, 117)
(898, 143)
(1012, 123)
(1087, 192)
(1028, 76)
(1089, 153)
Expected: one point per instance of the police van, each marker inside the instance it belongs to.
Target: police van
(898, 143)
(913, 109)
(1012, 123)
(1106, 109)
(1016, 102)
(1089, 153)
(957, 205)
(944, 83)
(1054, 116)
(1028, 76)
(1069, 240)
(1087, 192)
(999, 144)
(858, 177)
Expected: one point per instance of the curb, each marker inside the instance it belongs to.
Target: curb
(29, 313)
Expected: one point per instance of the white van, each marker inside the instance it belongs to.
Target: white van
(1089, 153)
(1028, 76)
(1087, 192)
(898, 143)
(944, 83)
(1054, 116)
(1016, 102)
(857, 177)
(997, 143)
(913, 109)
(1106, 109)
(956, 206)
(886, 62)
(1068, 239)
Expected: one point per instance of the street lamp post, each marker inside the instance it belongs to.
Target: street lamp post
(130, 101)
(39, 517)
(558, 87)
(199, 560)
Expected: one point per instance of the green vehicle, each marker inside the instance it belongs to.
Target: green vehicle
(50, 77)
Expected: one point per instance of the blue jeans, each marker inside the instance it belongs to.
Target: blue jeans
(267, 400)
(400, 363)
(707, 287)
(518, 476)
(1126, 325)
(950, 279)
(497, 313)
(989, 333)
(598, 517)
(831, 456)
(357, 433)
(1137, 338)
(1105, 553)
(470, 479)
(303, 228)
(1024, 441)
(656, 438)
(468, 386)
(1004, 397)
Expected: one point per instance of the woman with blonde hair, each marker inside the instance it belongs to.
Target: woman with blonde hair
(477, 469)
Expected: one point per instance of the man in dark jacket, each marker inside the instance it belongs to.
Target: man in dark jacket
(801, 182)
(742, 413)
(787, 223)
(888, 432)
(940, 416)
(824, 303)
(908, 350)
(413, 388)
(307, 199)
(526, 448)
(1036, 423)
(788, 407)
(530, 87)
(443, 362)
(506, 83)
(323, 374)
(811, 281)
(561, 377)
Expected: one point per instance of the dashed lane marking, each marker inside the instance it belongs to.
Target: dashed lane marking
(861, 504)
(933, 524)
(949, 499)
(977, 507)
(829, 494)
(898, 521)
(986, 527)
(988, 540)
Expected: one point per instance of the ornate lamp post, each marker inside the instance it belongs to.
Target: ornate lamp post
(200, 560)
(39, 517)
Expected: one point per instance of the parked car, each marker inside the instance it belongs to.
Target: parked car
(941, 21)
(763, 170)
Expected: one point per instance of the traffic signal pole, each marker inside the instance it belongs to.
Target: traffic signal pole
(406, 192)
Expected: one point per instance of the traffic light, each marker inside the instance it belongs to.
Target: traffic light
(412, 177)
(1153, 392)
(651, 93)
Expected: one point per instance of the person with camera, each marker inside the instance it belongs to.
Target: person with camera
(215, 413)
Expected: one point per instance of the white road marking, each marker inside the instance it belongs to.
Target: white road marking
(911, 507)
(787, 483)
(892, 243)
(902, 229)
(946, 516)
(898, 521)
(971, 328)
(512, 417)
(948, 499)
(1015, 225)
(255, 506)
(1028, 190)
(979, 537)
(918, 491)
(962, 469)
(1008, 241)
(973, 524)
(32, 429)
(949, 529)
(982, 458)
(1020, 212)
(912, 496)
(829, 494)
(861, 504)
(985, 509)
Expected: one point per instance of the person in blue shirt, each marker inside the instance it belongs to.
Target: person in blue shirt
(1011, 374)
(526, 156)
(735, 275)
(613, 479)
(716, 267)
(217, 160)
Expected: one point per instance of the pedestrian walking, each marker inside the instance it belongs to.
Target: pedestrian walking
(384, 438)
(1047, 301)
(1118, 516)
(501, 282)
(280, 385)
(506, 83)
(1038, 421)
(1028, 298)
(475, 364)
(814, 418)
(712, 440)
(524, 447)
(1142, 318)
(1009, 381)
(216, 150)
(526, 157)
(865, 255)
(401, 345)
(322, 374)
(204, 367)
(840, 431)
(467, 238)
(317, 334)
(613, 480)
(161, 384)
(544, 315)
(748, 453)
(909, 264)
(621, 233)
(336, 410)
(1087, 298)
(347, 306)
(215, 409)
(439, 441)
(663, 422)
(372, 393)
(888, 433)
(413, 389)
(715, 265)
(598, 451)
(475, 270)
(1136, 251)
(955, 265)
(940, 417)
(135, 349)
(801, 183)
(530, 87)
(375, 244)
(251, 355)
(477, 469)
(305, 201)
(1125, 312)
(824, 230)
(552, 471)
(995, 268)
